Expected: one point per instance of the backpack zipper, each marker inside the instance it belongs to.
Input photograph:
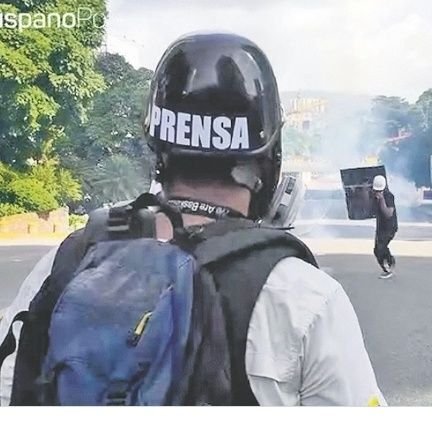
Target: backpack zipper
(136, 334)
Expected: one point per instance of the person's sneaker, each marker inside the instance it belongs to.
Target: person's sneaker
(386, 275)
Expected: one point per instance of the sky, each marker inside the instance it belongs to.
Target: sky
(365, 47)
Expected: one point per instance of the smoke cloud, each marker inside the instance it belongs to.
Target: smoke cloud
(344, 144)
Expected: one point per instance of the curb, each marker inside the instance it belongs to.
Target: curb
(346, 246)
(19, 239)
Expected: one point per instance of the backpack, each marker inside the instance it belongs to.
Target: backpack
(113, 328)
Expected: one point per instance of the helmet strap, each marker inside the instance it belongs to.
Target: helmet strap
(203, 208)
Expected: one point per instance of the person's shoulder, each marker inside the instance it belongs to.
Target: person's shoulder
(301, 289)
(303, 273)
(389, 194)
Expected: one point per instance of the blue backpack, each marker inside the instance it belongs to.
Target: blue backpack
(125, 319)
(119, 331)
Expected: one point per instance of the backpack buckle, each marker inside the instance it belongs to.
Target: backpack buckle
(118, 394)
(119, 219)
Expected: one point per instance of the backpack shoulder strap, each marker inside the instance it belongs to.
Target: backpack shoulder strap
(8, 345)
(231, 237)
(135, 219)
(240, 256)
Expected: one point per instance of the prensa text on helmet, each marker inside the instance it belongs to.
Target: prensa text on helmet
(194, 130)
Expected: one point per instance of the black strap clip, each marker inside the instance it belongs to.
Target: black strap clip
(118, 394)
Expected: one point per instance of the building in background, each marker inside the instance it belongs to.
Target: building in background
(305, 114)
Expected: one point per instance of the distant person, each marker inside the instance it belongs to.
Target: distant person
(386, 225)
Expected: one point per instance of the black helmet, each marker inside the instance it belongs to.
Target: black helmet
(215, 96)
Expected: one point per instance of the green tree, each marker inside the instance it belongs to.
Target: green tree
(47, 78)
(423, 107)
(114, 124)
(7, 209)
(7, 175)
(296, 143)
(59, 182)
(410, 156)
(116, 178)
(389, 115)
(29, 194)
(40, 188)
(109, 146)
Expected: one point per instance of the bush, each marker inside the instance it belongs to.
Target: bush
(7, 174)
(77, 221)
(31, 195)
(7, 209)
(69, 187)
(59, 182)
(40, 189)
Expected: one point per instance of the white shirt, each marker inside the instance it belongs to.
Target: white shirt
(304, 344)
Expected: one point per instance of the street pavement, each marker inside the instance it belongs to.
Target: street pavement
(396, 319)
(395, 315)
(15, 263)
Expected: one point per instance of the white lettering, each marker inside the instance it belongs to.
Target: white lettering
(24, 21)
(10, 21)
(39, 21)
(155, 119)
(71, 18)
(183, 128)
(223, 140)
(167, 129)
(98, 17)
(54, 17)
(240, 136)
(193, 130)
(201, 131)
(82, 16)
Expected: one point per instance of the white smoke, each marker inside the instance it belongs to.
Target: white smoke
(344, 145)
(405, 192)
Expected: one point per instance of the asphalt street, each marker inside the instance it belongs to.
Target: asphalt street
(395, 315)
(15, 264)
(334, 231)
(396, 319)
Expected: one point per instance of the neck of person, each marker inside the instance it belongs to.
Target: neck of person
(234, 197)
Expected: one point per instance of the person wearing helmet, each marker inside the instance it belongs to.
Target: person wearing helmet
(386, 225)
(214, 121)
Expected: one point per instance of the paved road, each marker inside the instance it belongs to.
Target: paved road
(396, 319)
(15, 263)
(407, 232)
(395, 315)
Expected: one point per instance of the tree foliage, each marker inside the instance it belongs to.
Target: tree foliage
(47, 79)
(7, 209)
(40, 188)
(423, 107)
(296, 143)
(107, 152)
(114, 122)
(410, 155)
(116, 178)
(59, 182)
